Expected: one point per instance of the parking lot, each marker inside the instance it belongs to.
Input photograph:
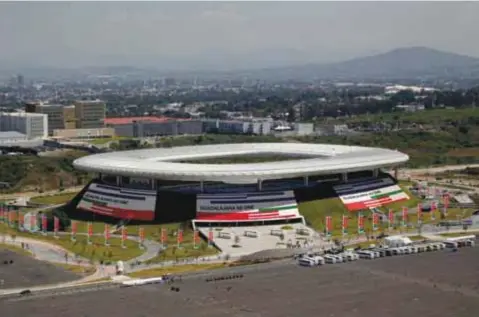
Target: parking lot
(438, 284)
(26, 271)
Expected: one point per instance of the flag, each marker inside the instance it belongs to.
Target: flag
(74, 230)
(196, 238)
(141, 233)
(44, 223)
(446, 202)
(106, 233)
(210, 237)
(404, 216)
(329, 225)
(345, 225)
(21, 220)
(375, 221)
(56, 225)
(2, 214)
(164, 236)
(179, 236)
(360, 223)
(33, 222)
(90, 229)
(391, 218)
(419, 213)
(124, 234)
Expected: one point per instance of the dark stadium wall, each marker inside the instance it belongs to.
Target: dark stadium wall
(174, 206)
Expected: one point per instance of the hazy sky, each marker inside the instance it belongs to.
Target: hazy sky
(227, 34)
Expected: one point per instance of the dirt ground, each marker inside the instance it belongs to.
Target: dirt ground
(26, 271)
(441, 284)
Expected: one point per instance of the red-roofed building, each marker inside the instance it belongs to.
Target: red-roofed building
(138, 127)
(127, 120)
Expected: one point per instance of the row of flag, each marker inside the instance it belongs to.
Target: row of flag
(375, 219)
(18, 218)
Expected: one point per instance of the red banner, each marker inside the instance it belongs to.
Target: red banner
(404, 215)
(141, 233)
(345, 224)
(33, 221)
(164, 235)
(124, 234)
(179, 236)
(210, 236)
(44, 223)
(56, 224)
(74, 228)
(419, 212)
(21, 219)
(107, 232)
(375, 221)
(391, 217)
(196, 237)
(360, 223)
(90, 229)
(329, 225)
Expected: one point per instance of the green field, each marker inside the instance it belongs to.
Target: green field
(96, 251)
(315, 212)
(56, 199)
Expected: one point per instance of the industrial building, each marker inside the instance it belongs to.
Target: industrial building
(32, 125)
(138, 127)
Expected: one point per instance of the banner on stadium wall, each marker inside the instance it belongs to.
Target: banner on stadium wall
(328, 226)
(370, 193)
(247, 206)
(405, 212)
(118, 202)
(390, 218)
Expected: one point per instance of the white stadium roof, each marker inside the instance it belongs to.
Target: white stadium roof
(162, 163)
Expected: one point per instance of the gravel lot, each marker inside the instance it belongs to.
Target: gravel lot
(26, 271)
(440, 284)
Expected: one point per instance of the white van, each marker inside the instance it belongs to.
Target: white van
(330, 259)
(366, 255)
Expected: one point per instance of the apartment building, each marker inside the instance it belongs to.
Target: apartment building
(33, 125)
(90, 114)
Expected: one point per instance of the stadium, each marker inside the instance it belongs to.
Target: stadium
(234, 184)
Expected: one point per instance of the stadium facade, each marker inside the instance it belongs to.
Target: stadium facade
(172, 184)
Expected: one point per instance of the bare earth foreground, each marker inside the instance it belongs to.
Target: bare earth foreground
(432, 284)
(26, 271)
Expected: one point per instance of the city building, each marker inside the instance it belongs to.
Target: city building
(33, 125)
(90, 114)
(54, 114)
(303, 128)
(333, 129)
(250, 126)
(84, 133)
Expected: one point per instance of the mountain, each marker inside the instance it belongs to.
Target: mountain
(400, 63)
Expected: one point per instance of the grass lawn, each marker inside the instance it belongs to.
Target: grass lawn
(56, 199)
(177, 269)
(14, 248)
(316, 211)
(95, 251)
(459, 234)
(78, 269)
(186, 251)
(101, 141)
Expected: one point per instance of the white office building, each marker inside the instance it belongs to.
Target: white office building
(33, 125)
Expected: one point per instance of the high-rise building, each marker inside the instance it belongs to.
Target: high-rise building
(90, 114)
(33, 125)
